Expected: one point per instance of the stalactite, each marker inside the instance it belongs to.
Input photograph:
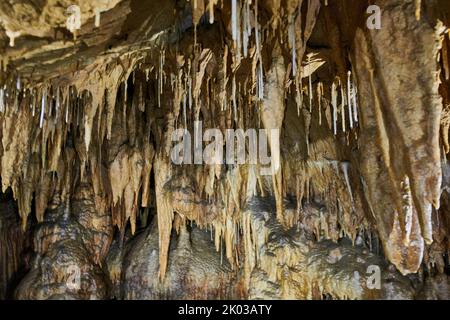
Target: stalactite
(354, 103)
(272, 114)
(260, 81)
(310, 88)
(418, 4)
(334, 105)
(307, 120)
(43, 103)
(122, 142)
(184, 110)
(161, 76)
(291, 36)
(73, 22)
(349, 100)
(319, 99)
(234, 20)
(407, 208)
(211, 10)
(246, 27)
(299, 94)
(98, 12)
(2, 100)
(245, 38)
(344, 168)
(233, 93)
(342, 106)
(239, 36)
(259, 65)
(445, 58)
(190, 88)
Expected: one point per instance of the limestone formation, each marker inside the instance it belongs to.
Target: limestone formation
(349, 197)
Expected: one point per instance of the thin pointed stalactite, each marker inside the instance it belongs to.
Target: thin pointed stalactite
(43, 104)
(342, 105)
(334, 105)
(354, 103)
(310, 88)
(319, 100)
(349, 100)
(292, 43)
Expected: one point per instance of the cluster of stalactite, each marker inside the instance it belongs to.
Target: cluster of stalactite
(363, 135)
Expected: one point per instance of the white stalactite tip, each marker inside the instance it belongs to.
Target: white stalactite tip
(211, 11)
(349, 99)
(41, 119)
(354, 103)
(291, 36)
(334, 105)
(73, 22)
(12, 35)
(234, 25)
(98, 13)
(2, 102)
(342, 106)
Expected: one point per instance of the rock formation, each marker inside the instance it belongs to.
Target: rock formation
(224, 149)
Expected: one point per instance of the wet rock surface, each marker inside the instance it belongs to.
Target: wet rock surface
(69, 247)
(195, 269)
